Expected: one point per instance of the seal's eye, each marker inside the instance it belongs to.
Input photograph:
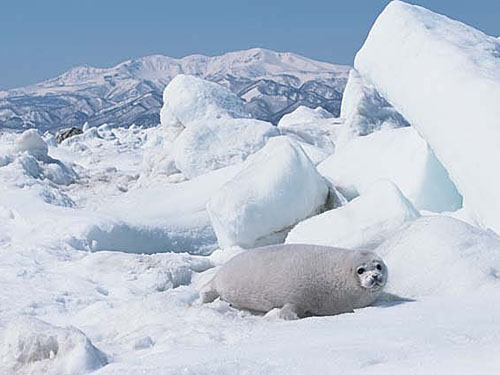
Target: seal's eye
(361, 270)
(379, 267)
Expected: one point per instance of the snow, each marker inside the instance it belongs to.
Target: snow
(188, 98)
(35, 346)
(363, 223)
(439, 255)
(210, 145)
(31, 142)
(304, 114)
(444, 77)
(399, 155)
(257, 202)
(364, 111)
(137, 307)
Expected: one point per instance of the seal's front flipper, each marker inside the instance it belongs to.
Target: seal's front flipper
(290, 311)
(208, 293)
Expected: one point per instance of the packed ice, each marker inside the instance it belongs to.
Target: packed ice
(363, 223)
(399, 155)
(444, 77)
(206, 146)
(256, 202)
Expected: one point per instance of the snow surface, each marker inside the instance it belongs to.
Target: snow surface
(213, 144)
(462, 258)
(137, 310)
(256, 202)
(363, 223)
(399, 155)
(444, 77)
(35, 346)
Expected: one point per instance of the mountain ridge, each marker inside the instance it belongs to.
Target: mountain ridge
(271, 83)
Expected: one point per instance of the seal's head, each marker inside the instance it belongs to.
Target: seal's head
(371, 272)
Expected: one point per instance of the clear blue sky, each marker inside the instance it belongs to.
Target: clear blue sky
(40, 39)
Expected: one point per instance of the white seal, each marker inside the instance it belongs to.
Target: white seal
(301, 280)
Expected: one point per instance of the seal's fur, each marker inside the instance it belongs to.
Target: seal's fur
(299, 279)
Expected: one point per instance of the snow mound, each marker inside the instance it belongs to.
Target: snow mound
(158, 158)
(399, 155)
(33, 346)
(364, 111)
(278, 187)
(188, 98)
(316, 127)
(439, 255)
(363, 223)
(31, 142)
(304, 114)
(210, 145)
(444, 77)
(26, 164)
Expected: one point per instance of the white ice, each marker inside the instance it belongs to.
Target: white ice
(363, 223)
(364, 110)
(444, 77)
(256, 202)
(399, 155)
(213, 144)
(316, 127)
(188, 98)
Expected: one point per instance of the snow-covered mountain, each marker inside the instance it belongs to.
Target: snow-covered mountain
(272, 84)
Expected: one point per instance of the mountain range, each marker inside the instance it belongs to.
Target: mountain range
(271, 83)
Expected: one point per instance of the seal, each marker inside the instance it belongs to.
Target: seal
(300, 280)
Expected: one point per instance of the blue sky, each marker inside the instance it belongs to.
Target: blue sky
(40, 39)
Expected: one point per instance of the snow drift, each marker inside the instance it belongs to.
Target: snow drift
(363, 223)
(399, 155)
(278, 187)
(444, 78)
(44, 348)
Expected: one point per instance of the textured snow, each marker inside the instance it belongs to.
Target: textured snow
(31, 142)
(83, 255)
(257, 201)
(188, 98)
(461, 259)
(209, 145)
(364, 110)
(399, 155)
(33, 346)
(363, 223)
(444, 77)
(304, 114)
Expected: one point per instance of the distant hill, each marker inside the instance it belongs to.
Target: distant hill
(271, 83)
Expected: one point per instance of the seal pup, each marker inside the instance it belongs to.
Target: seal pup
(300, 280)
